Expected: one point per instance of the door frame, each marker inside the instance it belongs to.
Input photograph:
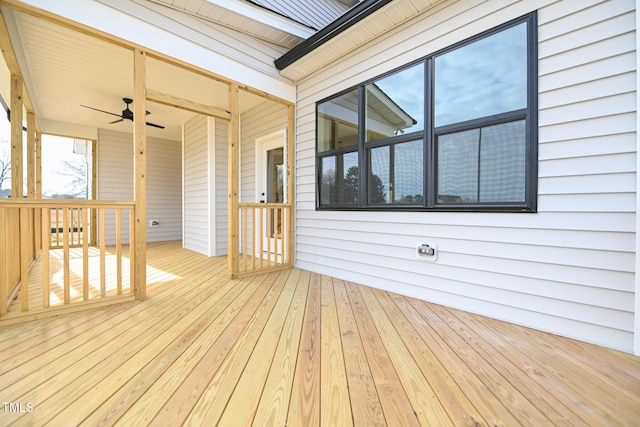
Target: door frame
(262, 145)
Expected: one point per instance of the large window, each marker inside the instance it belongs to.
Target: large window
(453, 131)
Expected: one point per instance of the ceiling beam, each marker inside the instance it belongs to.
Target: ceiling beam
(195, 107)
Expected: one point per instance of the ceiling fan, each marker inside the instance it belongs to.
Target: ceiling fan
(127, 114)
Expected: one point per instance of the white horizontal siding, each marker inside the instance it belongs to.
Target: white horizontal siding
(196, 186)
(568, 269)
(221, 180)
(115, 182)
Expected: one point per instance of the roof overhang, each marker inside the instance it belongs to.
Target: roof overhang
(363, 23)
(246, 17)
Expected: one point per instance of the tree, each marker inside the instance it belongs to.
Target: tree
(79, 171)
(5, 162)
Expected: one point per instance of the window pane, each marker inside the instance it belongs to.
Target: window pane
(502, 163)
(338, 122)
(395, 104)
(483, 165)
(339, 182)
(396, 173)
(458, 167)
(483, 78)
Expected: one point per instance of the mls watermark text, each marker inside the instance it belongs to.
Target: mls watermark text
(21, 407)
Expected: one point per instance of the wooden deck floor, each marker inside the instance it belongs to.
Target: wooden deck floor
(299, 349)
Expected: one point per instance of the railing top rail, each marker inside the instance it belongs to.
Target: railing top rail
(61, 203)
(264, 205)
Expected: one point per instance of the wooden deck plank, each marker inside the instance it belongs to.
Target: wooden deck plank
(274, 403)
(591, 395)
(170, 400)
(153, 358)
(202, 349)
(212, 403)
(393, 397)
(502, 389)
(145, 393)
(81, 345)
(480, 394)
(88, 365)
(367, 410)
(304, 406)
(449, 392)
(529, 391)
(426, 404)
(533, 378)
(335, 407)
(244, 401)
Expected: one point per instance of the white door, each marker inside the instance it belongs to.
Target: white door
(272, 178)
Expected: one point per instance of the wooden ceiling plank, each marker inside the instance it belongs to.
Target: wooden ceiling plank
(19, 6)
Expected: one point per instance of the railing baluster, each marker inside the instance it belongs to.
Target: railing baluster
(253, 238)
(119, 251)
(276, 237)
(245, 237)
(132, 250)
(269, 224)
(103, 279)
(85, 256)
(24, 259)
(65, 246)
(5, 270)
(58, 227)
(72, 229)
(261, 236)
(46, 243)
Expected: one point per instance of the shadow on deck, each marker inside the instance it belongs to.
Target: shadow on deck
(298, 348)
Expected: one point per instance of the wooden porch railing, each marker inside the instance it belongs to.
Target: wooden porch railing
(78, 230)
(73, 272)
(265, 237)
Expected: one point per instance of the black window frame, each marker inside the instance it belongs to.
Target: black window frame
(429, 136)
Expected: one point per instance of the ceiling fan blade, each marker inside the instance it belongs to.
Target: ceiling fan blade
(116, 121)
(155, 125)
(102, 111)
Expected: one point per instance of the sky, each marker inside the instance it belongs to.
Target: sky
(54, 151)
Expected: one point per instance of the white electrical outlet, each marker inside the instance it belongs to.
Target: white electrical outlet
(427, 251)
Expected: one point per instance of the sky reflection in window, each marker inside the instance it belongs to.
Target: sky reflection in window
(483, 78)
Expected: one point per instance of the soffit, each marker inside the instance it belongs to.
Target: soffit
(315, 14)
(64, 69)
(378, 23)
(245, 17)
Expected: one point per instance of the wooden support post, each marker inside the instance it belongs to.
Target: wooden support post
(140, 172)
(91, 229)
(31, 181)
(38, 172)
(291, 154)
(5, 271)
(46, 237)
(31, 156)
(16, 136)
(234, 146)
(38, 185)
(24, 260)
